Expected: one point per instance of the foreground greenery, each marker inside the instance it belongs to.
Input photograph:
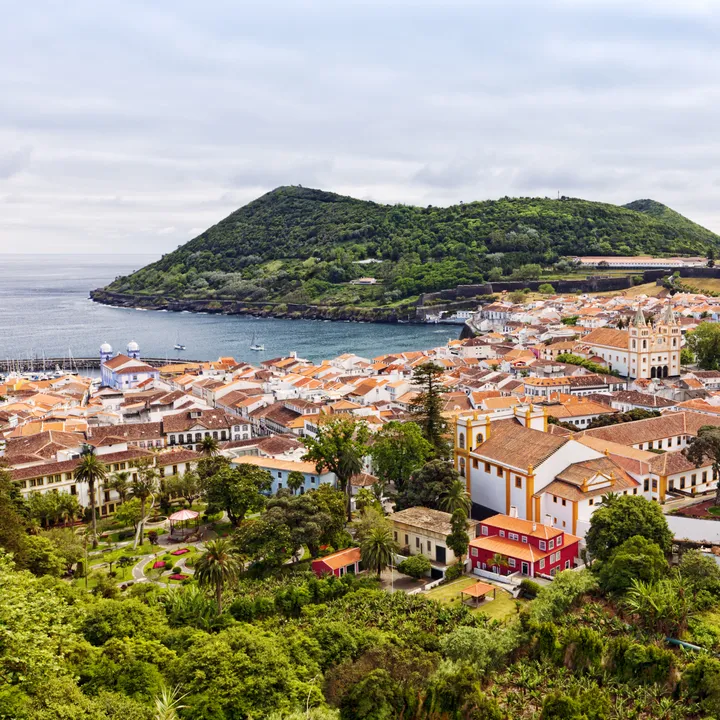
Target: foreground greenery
(255, 634)
(298, 245)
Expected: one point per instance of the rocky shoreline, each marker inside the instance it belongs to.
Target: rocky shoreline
(288, 311)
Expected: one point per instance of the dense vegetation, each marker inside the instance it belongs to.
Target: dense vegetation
(304, 246)
(255, 634)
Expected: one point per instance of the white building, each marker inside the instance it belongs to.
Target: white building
(124, 372)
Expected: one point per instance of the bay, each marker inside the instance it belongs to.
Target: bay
(45, 309)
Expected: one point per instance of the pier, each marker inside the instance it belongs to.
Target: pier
(69, 363)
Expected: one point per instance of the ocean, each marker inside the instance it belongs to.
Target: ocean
(45, 310)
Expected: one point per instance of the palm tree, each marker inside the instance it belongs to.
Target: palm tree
(455, 498)
(500, 560)
(119, 482)
(143, 487)
(91, 471)
(69, 508)
(209, 446)
(377, 548)
(217, 566)
(295, 480)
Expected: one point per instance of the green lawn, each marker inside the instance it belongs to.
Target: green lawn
(502, 607)
(113, 554)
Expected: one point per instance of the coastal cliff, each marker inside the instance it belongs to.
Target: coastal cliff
(290, 311)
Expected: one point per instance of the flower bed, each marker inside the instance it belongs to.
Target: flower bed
(158, 564)
(180, 551)
(178, 576)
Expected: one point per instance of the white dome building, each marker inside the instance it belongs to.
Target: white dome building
(105, 352)
(133, 350)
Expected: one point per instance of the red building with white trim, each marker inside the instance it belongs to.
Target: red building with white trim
(338, 563)
(527, 547)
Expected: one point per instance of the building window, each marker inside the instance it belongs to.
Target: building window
(542, 563)
(554, 498)
(279, 486)
(484, 530)
(591, 501)
(518, 482)
(513, 536)
(461, 441)
(487, 467)
(406, 540)
(499, 471)
(473, 552)
(429, 545)
(564, 502)
(558, 541)
(395, 535)
(551, 544)
(646, 484)
(542, 545)
(682, 483)
(524, 538)
(279, 474)
(704, 476)
(417, 542)
(502, 533)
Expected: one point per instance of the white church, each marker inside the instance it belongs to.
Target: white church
(640, 351)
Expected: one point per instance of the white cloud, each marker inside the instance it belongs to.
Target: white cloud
(138, 126)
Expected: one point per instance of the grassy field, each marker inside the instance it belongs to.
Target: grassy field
(703, 284)
(502, 607)
(649, 289)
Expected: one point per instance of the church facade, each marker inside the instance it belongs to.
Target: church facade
(641, 351)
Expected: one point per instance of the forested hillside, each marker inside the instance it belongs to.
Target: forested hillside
(301, 245)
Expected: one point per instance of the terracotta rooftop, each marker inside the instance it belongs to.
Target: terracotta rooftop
(511, 443)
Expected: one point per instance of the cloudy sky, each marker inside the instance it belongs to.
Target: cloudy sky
(132, 126)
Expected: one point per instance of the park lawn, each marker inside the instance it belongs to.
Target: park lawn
(502, 607)
(113, 554)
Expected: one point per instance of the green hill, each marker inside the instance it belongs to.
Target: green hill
(301, 245)
(667, 215)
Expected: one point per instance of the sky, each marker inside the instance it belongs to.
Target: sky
(132, 126)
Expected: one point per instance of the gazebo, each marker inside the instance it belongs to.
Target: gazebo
(179, 524)
(478, 591)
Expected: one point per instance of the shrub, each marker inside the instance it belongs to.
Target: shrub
(547, 289)
(701, 681)
(529, 589)
(152, 537)
(453, 572)
(126, 535)
(243, 609)
(645, 664)
(416, 566)
(583, 649)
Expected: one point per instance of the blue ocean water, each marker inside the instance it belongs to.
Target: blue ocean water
(45, 309)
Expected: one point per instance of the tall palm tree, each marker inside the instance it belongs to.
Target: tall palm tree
(377, 548)
(217, 566)
(209, 446)
(456, 497)
(91, 471)
(120, 483)
(142, 488)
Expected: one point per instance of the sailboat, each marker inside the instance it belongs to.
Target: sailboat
(254, 345)
(178, 345)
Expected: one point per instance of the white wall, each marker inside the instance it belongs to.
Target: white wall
(695, 529)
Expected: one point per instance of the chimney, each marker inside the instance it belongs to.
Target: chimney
(548, 520)
(534, 527)
(513, 511)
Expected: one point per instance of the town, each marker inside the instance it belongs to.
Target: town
(469, 473)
